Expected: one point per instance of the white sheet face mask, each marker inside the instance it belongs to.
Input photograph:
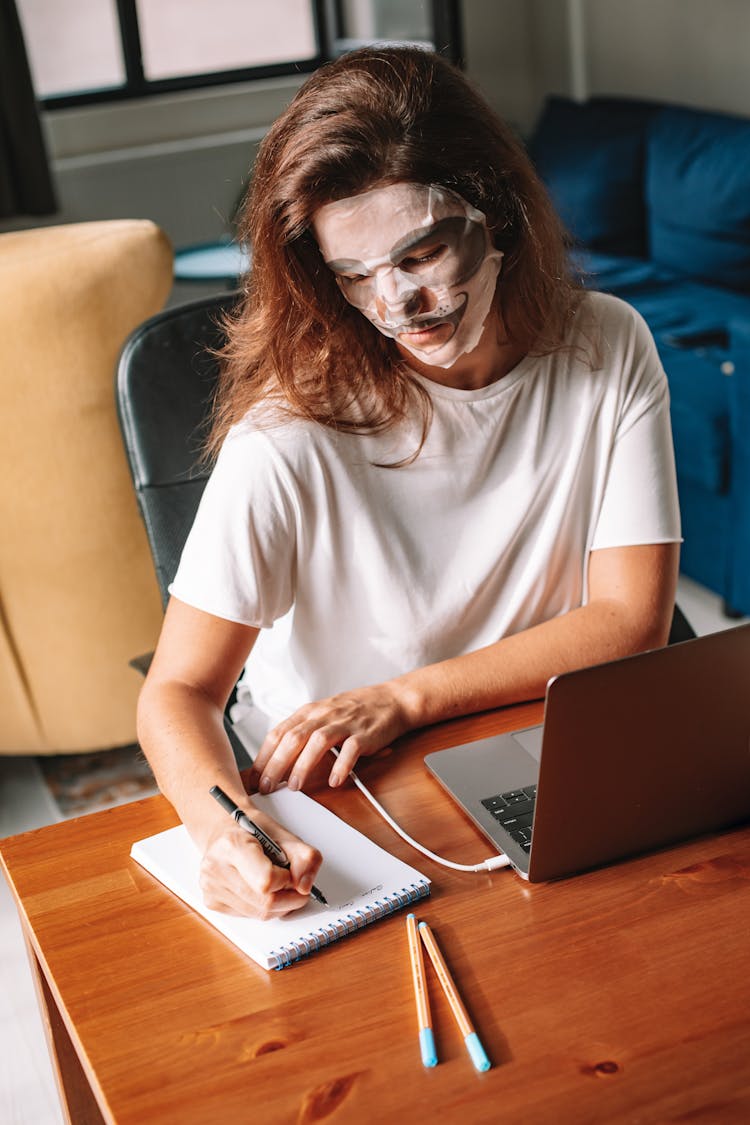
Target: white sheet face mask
(417, 260)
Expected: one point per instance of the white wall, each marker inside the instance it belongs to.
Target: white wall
(183, 159)
(500, 54)
(694, 52)
(690, 51)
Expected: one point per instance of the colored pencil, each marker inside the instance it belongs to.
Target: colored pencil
(471, 1039)
(426, 1037)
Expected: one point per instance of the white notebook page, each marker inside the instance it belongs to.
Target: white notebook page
(361, 881)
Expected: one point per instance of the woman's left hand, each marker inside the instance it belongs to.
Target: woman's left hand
(360, 722)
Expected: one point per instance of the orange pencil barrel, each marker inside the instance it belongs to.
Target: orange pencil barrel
(471, 1039)
(426, 1037)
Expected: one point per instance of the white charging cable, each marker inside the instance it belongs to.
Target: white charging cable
(492, 863)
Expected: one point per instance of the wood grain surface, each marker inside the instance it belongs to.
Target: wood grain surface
(622, 995)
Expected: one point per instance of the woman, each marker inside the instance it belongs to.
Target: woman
(444, 473)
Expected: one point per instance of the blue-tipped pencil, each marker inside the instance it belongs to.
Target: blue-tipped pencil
(474, 1046)
(426, 1037)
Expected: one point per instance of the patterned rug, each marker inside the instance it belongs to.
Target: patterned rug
(85, 783)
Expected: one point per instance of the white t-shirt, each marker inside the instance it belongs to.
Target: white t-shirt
(356, 573)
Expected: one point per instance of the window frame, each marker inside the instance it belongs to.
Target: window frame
(327, 21)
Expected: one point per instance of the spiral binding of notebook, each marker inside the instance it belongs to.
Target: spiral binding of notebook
(286, 954)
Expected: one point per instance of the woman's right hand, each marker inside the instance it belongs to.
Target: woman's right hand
(236, 877)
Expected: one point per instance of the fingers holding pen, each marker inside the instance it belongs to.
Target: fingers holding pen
(304, 863)
(237, 877)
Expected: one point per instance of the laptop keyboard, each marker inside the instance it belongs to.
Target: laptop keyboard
(515, 811)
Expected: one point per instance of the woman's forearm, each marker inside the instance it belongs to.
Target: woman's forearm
(518, 667)
(182, 734)
(630, 609)
(181, 714)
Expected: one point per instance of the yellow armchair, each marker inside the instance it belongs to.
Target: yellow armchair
(78, 596)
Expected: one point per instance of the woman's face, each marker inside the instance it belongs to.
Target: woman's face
(417, 261)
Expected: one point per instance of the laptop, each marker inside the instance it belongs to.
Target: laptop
(633, 755)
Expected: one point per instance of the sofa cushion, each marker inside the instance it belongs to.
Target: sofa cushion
(690, 325)
(698, 195)
(77, 586)
(699, 404)
(667, 300)
(636, 280)
(591, 157)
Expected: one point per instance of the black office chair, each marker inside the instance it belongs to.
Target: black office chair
(165, 384)
(166, 378)
(680, 629)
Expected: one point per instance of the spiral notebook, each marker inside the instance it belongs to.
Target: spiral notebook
(361, 881)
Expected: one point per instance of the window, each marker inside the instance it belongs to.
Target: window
(84, 51)
(355, 23)
(72, 47)
(95, 50)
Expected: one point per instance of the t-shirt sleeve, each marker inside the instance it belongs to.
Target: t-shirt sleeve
(640, 503)
(238, 560)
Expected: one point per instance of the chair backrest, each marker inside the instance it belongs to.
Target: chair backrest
(681, 629)
(165, 384)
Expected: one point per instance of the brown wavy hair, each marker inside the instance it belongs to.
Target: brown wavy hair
(375, 116)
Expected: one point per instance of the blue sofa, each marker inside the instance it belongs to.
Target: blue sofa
(657, 201)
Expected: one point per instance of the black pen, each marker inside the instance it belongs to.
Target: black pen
(270, 848)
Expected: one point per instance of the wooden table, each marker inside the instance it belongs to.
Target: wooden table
(622, 995)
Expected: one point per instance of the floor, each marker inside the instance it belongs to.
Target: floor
(28, 1094)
